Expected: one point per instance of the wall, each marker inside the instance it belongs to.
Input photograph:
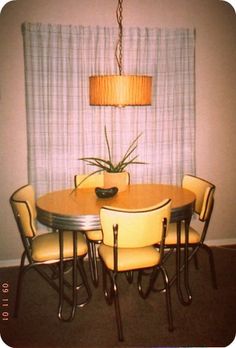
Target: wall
(215, 25)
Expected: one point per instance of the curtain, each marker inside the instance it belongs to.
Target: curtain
(61, 125)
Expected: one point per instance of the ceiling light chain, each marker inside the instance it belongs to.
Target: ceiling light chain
(119, 47)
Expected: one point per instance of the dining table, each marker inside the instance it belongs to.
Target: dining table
(78, 210)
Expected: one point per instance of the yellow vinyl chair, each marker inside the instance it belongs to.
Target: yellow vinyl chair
(86, 181)
(204, 192)
(93, 237)
(42, 248)
(129, 238)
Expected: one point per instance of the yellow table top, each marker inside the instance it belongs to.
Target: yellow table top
(85, 202)
(68, 207)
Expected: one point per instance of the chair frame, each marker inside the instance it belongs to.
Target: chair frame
(92, 251)
(195, 247)
(111, 295)
(52, 265)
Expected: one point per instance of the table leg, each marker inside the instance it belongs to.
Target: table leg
(61, 280)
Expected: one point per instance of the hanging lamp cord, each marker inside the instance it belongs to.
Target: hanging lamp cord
(118, 52)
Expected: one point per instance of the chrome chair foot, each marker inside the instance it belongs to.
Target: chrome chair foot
(77, 264)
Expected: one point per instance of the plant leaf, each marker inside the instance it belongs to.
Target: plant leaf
(133, 143)
(131, 161)
(128, 163)
(108, 165)
(131, 148)
(123, 164)
(98, 162)
(108, 145)
(129, 153)
(94, 159)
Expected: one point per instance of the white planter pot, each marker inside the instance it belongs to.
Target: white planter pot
(120, 180)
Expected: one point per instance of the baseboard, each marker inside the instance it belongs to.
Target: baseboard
(9, 263)
(221, 242)
(211, 242)
(16, 263)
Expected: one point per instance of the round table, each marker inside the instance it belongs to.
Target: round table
(79, 209)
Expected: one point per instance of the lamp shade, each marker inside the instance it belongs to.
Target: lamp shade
(120, 90)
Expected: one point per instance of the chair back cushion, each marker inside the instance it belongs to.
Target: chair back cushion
(89, 181)
(204, 192)
(136, 228)
(95, 180)
(23, 205)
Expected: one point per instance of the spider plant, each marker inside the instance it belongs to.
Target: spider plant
(109, 165)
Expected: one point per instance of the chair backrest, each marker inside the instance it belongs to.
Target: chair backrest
(136, 228)
(204, 192)
(94, 180)
(23, 206)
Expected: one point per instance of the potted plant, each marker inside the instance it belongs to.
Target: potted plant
(109, 167)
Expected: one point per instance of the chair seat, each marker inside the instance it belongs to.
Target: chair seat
(171, 237)
(94, 236)
(45, 247)
(130, 258)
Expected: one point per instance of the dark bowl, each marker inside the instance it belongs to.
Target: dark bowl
(106, 192)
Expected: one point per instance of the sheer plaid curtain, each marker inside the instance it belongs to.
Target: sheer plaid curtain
(62, 126)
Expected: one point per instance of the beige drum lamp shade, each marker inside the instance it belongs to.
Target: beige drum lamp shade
(120, 90)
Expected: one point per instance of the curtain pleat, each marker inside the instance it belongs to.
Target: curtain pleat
(62, 126)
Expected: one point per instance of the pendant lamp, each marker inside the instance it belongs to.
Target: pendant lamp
(120, 90)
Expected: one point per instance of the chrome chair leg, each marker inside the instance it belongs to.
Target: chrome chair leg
(71, 315)
(93, 262)
(112, 295)
(117, 309)
(108, 294)
(76, 262)
(19, 284)
(168, 298)
(152, 279)
(186, 253)
(80, 264)
(44, 275)
(129, 276)
(178, 266)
